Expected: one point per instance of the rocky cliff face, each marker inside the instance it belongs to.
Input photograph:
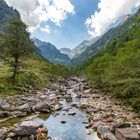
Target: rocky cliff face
(102, 42)
(7, 13)
(50, 52)
(65, 51)
(78, 50)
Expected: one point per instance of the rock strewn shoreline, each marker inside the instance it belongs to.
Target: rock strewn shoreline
(110, 118)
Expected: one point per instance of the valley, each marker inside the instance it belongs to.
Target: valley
(88, 92)
(69, 110)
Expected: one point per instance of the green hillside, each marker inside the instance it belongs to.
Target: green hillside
(108, 37)
(35, 74)
(116, 68)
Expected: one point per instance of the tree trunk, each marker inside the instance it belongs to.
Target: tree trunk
(15, 67)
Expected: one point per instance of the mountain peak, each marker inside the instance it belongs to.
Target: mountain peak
(7, 13)
(50, 52)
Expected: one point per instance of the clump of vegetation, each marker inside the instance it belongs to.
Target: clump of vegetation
(20, 66)
(15, 44)
(116, 69)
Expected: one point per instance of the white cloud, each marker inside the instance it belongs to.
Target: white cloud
(34, 12)
(45, 29)
(109, 12)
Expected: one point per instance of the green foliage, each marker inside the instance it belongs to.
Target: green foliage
(116, 68)
(35, 73)
(15, 44)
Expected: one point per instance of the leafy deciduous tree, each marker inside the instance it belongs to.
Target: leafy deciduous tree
(15, 44)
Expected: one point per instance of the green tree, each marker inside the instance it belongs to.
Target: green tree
(15, 44)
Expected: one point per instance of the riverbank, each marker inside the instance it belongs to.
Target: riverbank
(103, 114)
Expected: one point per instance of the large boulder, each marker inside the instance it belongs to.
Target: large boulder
(119, 125)
(25, 108)
(127, 134)
(101, 130)
(27, 128)
(42, 107)
(4, 105)
(105, 133)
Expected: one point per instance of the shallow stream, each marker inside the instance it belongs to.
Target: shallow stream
(74, 126)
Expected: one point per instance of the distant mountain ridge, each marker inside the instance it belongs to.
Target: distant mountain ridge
(7, 13)
(65, 51)
(50, 52)
(105, 39)
(78, 50)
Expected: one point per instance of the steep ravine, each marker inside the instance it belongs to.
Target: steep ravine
(70, 110)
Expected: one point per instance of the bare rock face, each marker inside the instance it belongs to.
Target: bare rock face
(127, 134)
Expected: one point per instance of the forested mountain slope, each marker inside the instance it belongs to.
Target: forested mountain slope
(105, 39)
(116, 68)
(50, 52)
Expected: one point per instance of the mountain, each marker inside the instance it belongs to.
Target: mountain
(65, 51)
(81, 48)
(104, 40)
(50, 52)
(116, 68)
(7, 13)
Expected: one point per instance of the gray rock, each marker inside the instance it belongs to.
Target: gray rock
(54, 87)
(101, 130)
(109, 136)
(120, 125)
(42, 107)
(88, 91)
(8, 139)
(105, 133)
(27, 128)
(11, 134)
(25, 108)
(4, 105)
(3, 133)
(127, 134)
(57, 107)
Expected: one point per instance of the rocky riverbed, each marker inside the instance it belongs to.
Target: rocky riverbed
(70, 103)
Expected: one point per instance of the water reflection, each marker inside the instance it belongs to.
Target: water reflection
(73, 129)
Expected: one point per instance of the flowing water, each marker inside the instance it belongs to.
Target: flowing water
(73, 129)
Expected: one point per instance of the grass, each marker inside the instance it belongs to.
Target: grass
(35, 73)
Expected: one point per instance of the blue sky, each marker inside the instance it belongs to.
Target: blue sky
(66, 23)
(73, 30)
